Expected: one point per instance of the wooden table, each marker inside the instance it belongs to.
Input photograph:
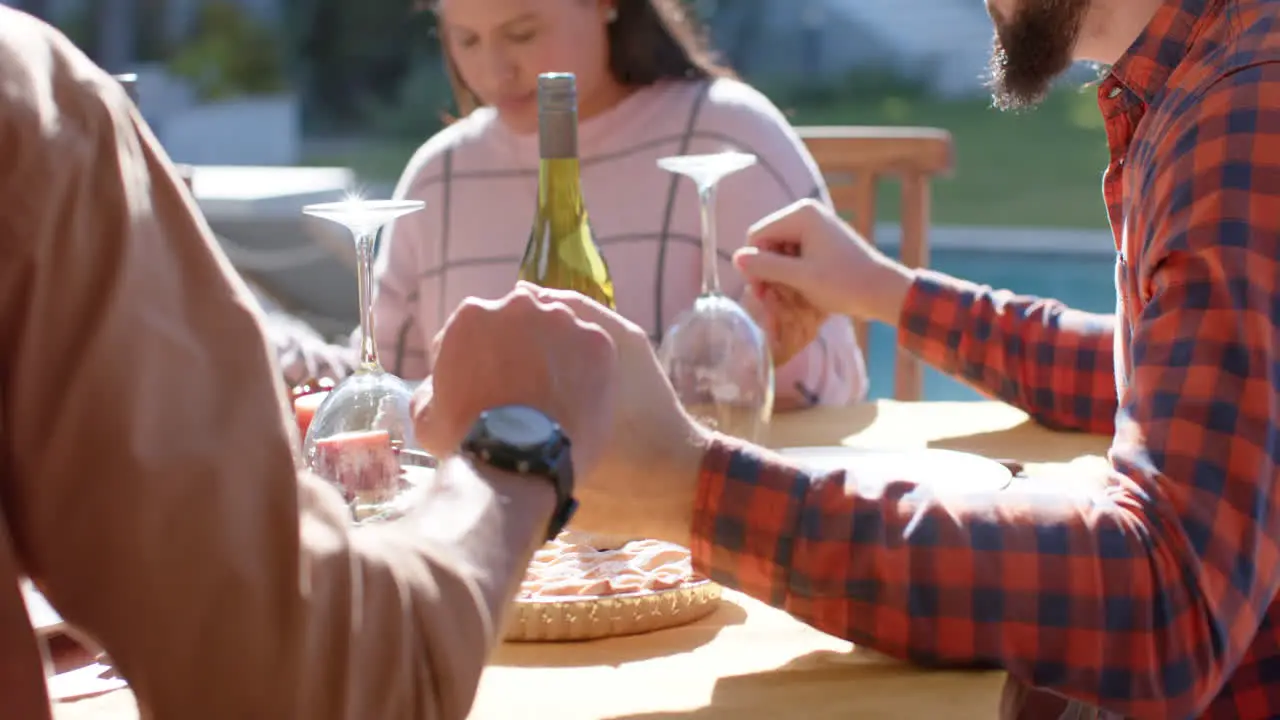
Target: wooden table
(748, 661)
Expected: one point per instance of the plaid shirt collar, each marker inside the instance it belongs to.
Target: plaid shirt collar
(1163, 45)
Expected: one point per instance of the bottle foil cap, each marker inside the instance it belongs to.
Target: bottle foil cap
(557, 92)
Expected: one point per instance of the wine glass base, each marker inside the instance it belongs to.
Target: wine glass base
(709, 169)
(384, 506)
(368, 508)
(362, 216)
(746, 422)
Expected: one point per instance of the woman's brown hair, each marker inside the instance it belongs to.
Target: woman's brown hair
(649, 41)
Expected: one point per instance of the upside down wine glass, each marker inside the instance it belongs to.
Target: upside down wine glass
(361, 438)
(716, 357)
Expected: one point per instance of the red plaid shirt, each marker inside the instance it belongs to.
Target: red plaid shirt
(1153, 596)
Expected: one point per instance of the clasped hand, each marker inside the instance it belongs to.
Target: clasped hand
(636, 452)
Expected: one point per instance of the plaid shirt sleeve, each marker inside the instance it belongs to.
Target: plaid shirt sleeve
(1140, 593)
(1038, 355)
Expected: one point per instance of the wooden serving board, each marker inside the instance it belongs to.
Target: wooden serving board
(567, 619)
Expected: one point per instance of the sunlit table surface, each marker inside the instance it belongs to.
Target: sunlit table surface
(748, 661)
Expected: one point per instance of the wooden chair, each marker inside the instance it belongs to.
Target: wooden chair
(854, 160)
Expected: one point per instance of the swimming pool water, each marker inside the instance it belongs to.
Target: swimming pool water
(1085, 282)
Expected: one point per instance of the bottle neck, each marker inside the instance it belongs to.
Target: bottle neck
(559, 183)
(558, 134)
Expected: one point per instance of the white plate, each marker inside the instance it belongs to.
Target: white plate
(44, 618)
(942, 471)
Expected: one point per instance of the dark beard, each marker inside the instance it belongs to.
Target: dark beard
(1032, 49)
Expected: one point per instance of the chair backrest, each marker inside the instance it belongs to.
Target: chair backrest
(854, 160)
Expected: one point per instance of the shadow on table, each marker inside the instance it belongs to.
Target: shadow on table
(831, 685)
(620, 650)
(1028, 443)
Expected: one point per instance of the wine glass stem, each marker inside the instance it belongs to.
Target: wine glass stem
(364, 282)
(710, 258)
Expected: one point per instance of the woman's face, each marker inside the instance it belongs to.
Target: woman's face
(499, 47)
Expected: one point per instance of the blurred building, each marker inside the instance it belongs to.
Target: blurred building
(245, 130)
(117, 22)
(943, 42)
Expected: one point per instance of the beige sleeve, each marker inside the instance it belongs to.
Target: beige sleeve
(149, 474)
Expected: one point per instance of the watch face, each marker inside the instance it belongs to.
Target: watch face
(519, 426)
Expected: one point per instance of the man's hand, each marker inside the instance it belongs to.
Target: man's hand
(648, 476)
(649, 451)
(836, 270)
(525, 351)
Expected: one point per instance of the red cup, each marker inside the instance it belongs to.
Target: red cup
(304, 410)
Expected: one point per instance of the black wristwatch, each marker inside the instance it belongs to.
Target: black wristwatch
(523, 441)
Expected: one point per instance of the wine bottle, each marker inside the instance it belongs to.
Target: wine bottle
(561, 253)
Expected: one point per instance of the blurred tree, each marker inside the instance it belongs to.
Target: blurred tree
(230, 53)
(80, 25)
(737, 29)
(420, 106)
(116, 21)
(152, 44)
(351, 56)
(38, 8)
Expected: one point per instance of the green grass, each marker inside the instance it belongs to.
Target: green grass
(1039, 168)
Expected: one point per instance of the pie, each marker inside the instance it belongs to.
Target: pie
(570, 566)
(585, 587)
